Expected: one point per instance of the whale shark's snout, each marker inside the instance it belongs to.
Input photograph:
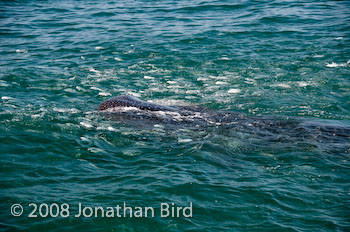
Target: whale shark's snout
(130, 101)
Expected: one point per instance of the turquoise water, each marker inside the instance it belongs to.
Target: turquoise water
(60, 59)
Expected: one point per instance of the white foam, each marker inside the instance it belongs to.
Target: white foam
(3, 84)
(335, 65)
(6, 98)
(318, 56)
(93, 165)
(171, 82)
(130, 51)
(184, 140)
(64, 110)
(303, 84)
(218, 77)
(84, 139)
(70, 90)
(233, 91)
(36, 115)
(134, 94)
(339, 38)
(250, 81)
(104, 57)
(85, 124)
(91, 69)
(221, 83)
(79, 88)
(95, 149)
(282, 85)
(22, 50)
(117, 59)
(158, 126)
(104, 94)
(192, 91)
(98, 48)
(131, 152)
(95, 88)
(111, 128)
(148, 77)
(174, 87)
(224, 58)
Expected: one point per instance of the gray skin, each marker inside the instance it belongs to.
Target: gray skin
(130, 101)
(146, 113)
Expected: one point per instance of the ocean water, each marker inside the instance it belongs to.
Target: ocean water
(60, 59)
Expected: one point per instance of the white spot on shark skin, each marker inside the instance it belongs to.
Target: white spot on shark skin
(233, 91)
(120, 109)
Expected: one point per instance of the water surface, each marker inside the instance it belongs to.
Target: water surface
(60, 59)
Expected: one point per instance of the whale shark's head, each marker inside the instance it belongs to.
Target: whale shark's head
(130, 109)
(118, 101)
(130, 101)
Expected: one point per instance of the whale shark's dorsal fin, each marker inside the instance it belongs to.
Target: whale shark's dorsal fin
(130, 101)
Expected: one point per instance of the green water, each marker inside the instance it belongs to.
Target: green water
(60, 59)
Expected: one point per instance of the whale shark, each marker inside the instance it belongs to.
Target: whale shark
(130, 109)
